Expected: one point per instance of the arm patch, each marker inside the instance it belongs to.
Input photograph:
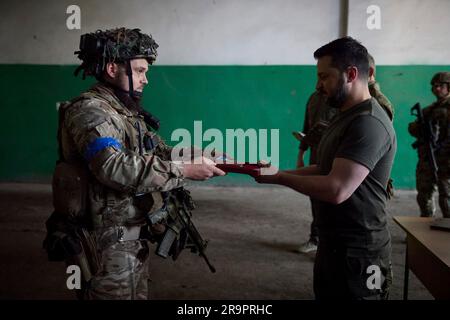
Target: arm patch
(100, 144)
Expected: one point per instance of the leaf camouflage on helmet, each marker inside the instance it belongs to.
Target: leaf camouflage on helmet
(114, 45)
(441, 77)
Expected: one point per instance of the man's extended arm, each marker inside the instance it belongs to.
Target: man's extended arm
(99, 142)
(336, 187)
(305, 171)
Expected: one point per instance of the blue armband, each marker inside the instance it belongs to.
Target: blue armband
(100, 144)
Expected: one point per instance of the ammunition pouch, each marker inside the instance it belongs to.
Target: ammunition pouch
(70, 189)
(87, 259)
(151, 141)
(61, 241)
(67, 238)
(66, 241)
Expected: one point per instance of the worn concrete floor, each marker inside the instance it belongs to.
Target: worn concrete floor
(253, 234)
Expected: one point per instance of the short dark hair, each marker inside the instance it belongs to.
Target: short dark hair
(346, 52)
(372, 64)
(371, 60)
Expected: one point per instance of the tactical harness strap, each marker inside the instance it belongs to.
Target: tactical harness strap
(121, 233)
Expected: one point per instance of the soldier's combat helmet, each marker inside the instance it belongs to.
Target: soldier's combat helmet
(114, 45)
(441, 77)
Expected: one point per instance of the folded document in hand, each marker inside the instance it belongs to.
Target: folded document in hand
(252, 169)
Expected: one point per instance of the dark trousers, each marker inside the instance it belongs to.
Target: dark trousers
(314, 232)
(344, 273)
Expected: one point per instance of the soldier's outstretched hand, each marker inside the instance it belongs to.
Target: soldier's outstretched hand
(203, 171)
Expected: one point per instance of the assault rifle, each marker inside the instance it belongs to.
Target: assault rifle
(181, 232)
(428, 136)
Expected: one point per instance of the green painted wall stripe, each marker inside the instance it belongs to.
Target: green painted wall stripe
(221, 96)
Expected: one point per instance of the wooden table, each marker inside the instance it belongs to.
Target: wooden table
(427, 255)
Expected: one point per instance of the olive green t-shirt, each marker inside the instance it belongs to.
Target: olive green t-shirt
(363, 134)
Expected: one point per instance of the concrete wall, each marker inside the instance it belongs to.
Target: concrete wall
(412, 31)
(232, 64)
(230, 32)
(199, 32)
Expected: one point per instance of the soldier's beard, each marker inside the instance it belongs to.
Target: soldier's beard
(339, 97)
(132, 103)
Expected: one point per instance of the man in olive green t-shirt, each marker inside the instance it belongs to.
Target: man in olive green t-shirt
(349, 182)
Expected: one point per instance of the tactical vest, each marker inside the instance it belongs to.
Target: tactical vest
(440, 121)
(375, 92)
(78, 193)
(438, 115)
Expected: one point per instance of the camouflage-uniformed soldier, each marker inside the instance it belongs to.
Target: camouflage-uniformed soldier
(438, 114)
(318, 115)
(375, 91)
(113, 167)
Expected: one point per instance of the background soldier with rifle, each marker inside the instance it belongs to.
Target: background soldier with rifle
(433, 145)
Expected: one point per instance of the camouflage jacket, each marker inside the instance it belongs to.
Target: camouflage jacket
(317, 111)
(438, 114)
(125, 180)
(374, 89)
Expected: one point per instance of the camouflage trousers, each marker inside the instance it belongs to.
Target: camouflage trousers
(426, 186)
(123, 274)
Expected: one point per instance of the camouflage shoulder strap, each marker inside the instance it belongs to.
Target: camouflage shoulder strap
(62, 108)
(108, 100)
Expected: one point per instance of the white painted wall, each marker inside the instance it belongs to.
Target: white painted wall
(412, 31)
(224, 32)
(198, 32)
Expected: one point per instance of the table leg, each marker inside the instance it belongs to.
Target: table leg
(406, 279)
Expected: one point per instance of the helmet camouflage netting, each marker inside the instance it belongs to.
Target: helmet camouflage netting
(441, 77)
(114, 45)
